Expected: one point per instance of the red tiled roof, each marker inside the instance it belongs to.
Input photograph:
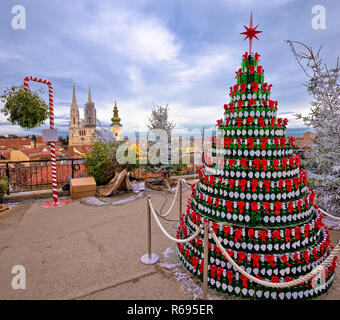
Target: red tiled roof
(27, 152)
(5, 155)
(22, 142)
(41, 155)
(81, 148)
(11, 145)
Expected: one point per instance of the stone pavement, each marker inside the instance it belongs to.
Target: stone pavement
(79, 251)
(86, 252)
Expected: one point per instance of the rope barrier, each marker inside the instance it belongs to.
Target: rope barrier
(271, 284)
(187, 184)
(160, 213)
(329, 215)
(173, 201)
(193, 236)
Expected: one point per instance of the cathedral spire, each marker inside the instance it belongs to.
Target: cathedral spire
(74, 99)
(90, 98)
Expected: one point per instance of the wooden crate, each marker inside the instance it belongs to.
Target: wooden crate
(83, 187)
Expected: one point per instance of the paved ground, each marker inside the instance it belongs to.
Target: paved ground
(87, 252)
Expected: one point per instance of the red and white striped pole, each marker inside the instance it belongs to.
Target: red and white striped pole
(55, 202)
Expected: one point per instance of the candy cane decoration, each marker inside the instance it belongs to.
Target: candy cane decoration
(52, 147)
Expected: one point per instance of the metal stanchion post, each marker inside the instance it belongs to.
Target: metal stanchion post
(176, 224)
(180, 198)
(149, 258)
(205, 265)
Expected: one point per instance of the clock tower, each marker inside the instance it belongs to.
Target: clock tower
(116, 125)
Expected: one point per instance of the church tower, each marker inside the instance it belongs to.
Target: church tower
(74, 118)
(74, 112)
(90, 112)
(116, 125)
(81, 131)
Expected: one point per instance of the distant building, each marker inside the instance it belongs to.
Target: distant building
(116, 126)
(16, 144)
(81, 131)
(304, 143)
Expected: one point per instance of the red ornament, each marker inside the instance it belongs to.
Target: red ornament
(240, 206)
(217, 202)
(284, 259)
(250, 120)
(256, 258)
(263, 235)
(251, 102)
(229, 206)
(241, 256)
(240, 104)
(251, 233)
(242, 183)
(276, 235)
(243, 163)
(230, 277)
(261, 124)
(243, 88)
(238, 234)
(251, 143)
(287, 235)
(266, 206)
(254, 185)
(244, 280)
(254, 85)
(266, 184)
(226, 230)
(270, 259)
(278, 205)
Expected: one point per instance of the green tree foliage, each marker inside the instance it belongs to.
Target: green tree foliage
(102, 162)
(4, 184)
(24, 107)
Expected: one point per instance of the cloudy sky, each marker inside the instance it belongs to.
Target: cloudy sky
(181, 52)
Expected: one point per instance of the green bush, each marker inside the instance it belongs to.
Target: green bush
(24, 107)
(4, 184)
(102, 164)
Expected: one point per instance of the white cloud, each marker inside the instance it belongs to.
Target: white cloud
(135, 77)
(204, 66)
(263, 3)
(137, 37)
(10, 56)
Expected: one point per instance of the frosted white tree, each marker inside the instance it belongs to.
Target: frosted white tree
(171, 157)
(323, 161)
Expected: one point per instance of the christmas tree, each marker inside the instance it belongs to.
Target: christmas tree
(254, 195)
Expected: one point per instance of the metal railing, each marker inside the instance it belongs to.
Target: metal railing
(30, 175)
(36, 174)
(143, 175)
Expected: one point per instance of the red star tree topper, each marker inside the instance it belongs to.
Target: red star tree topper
(251, 32)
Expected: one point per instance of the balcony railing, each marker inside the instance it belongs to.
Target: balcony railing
(33, 175)
(36, 174)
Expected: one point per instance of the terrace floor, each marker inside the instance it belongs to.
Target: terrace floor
(81, 251)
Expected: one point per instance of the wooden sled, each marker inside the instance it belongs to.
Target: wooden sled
(119, 182)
